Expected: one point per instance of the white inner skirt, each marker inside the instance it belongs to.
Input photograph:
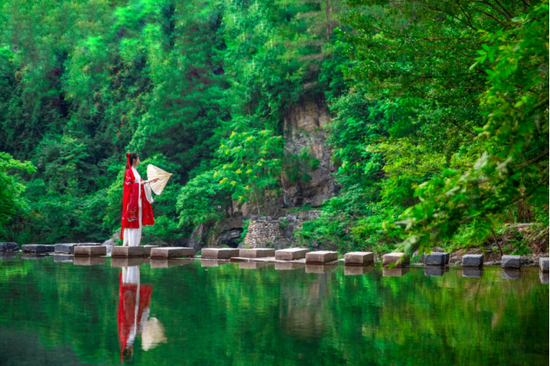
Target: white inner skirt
(132, 237)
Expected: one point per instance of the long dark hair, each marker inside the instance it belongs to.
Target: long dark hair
(130, 157)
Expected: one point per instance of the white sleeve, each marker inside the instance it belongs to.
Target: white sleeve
(148, 195)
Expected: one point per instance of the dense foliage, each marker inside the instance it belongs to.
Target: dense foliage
(439, 129)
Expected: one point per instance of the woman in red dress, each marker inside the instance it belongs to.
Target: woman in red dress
(136, 203)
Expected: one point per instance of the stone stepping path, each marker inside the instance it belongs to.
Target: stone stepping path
(355, 263)
(321, 257)
(400, 259)
(219, 253)
(128, 252)
(38, 248)
(359, 259)
(291, 254)
(90, 251)
(257, 253)
(172, 252)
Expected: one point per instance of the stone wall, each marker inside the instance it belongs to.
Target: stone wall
(273, 233)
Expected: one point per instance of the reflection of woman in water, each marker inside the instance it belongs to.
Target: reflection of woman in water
(133, 314)
(136, 203)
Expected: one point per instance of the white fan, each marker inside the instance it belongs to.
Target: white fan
(154, 172)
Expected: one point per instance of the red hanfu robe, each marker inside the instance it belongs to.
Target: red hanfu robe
(127, 317)
(130, 206)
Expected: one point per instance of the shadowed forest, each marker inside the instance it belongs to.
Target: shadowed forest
(438, 116)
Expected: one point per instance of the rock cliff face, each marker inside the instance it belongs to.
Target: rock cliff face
(304, 129)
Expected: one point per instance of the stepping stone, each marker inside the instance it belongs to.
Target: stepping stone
(213, 263)
(321, 257)
(543, 277)
(89, 261)
(172, 252)
(252, 265)
(219, 253)
(359, 259)
(9, 247)
(69, 248)
(127, 252)
(167, 263)
(257, 253)
(62, 258)
(119, 262)
(148, 248)
(395, 271)
(511, 261)
(472, 272)
(510, 273)
(357, 270)
(90, 251)
(400, 259)
(436, 259)
(543, 264)
(290, 254)
(320, 268)
(281, 266)
(472, 260)
(434, 271)
(38, 248)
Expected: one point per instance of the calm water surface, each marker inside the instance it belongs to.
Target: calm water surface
(68, 314)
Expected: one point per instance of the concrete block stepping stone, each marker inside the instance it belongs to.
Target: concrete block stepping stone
(511, 261)
(252, 265)
(434, 271)
(257, 253)
(357, 270)
(64, 248)
(89, 261)
(400, 259)
(282, 266)
(119, 262)
(291, 254)
(127, 252)
(62, 258)
(38, 248)
(543, 277)
(472, 272)
(436, 259)
(320, 268)
(472, 260)
(69, 248)
(90, 251)
(8, 255)
(543, 264)
(9, 247)
(148, 248)
(172, 252)
(395, 271)
(510, 274)
(359, 259)
(219, 253)
(167, 263)
(321, 257)
(213, 263)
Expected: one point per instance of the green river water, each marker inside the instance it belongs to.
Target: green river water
(68, 314)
